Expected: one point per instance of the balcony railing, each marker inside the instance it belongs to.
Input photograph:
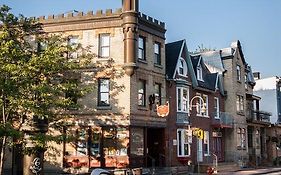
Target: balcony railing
(259, 116)
(223, 119)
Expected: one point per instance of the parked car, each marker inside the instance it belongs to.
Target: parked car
(99, 171)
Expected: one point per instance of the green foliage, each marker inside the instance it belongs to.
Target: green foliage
(35, 75)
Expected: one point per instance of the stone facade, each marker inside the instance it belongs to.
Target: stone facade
(135, 124)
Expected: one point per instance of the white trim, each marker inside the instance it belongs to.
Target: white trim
(185, 68)
(207, 142)
(181, 99)
(183, 133)
(175, 71)
(199, 71)
(217, 111)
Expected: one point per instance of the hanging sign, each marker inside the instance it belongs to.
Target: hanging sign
(199, 133)
(163, 110)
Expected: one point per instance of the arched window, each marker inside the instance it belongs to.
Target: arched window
(182, 67)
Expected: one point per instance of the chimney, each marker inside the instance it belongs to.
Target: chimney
(257, 75)
(130, 5)
(129, 16)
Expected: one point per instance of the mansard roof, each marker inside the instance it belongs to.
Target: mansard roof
(210, 79)
(212, 60)
(172, 54)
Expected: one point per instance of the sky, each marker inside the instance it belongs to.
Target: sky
(212, 24)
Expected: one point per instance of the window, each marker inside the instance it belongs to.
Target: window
(157, 55)
(199, 73)
(183, 143)
(240, 103)
(206, 145)
(141, 93)
(241, 138)
(182, 67)
(104, 45)
(199, 106)
(157, 88)
(238, 73)
(141, 53)
(103, 92)
(216, 108)
(183, 99)
(258, 138)
(73, 43)
(246, 81)
(71, 93)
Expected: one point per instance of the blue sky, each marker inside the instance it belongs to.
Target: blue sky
(213, 23)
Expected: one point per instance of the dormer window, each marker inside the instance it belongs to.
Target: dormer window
(199, 73)
(182, 67)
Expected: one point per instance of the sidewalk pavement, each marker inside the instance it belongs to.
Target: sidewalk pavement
(252, 171)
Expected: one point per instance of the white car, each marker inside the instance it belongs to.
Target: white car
(99, 171)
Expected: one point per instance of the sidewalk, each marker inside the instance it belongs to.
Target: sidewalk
(253, 171)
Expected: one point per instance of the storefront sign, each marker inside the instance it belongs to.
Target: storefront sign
(198, 133)
(163, 110)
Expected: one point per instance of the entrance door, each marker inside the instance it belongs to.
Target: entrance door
(155, 147)
(199, 150)
(218, 148)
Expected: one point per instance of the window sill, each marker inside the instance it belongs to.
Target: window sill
(205, 116)
(184, 112)
(104, 107)
(103, 58)
(182, 75)
(240, 148)
(142, 61)
(240, 113)
(143, 108)
(158, 65)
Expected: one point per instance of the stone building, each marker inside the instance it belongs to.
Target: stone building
(238, 83)
(116, 125)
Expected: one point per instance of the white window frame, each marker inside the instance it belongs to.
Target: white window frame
(246, 81)
(241, 138)
(206, 142)
(181, 142)
(216, 108)
(182, 102)
(239, 103)
(157, 53)
(199, 73)
(238, 72)
(73, 42)
(199, 105)
(103, 91)
(142, 93)
(141, 48)
(182, 67)
(104, 47)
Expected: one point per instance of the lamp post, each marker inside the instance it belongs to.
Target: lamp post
(202, 109)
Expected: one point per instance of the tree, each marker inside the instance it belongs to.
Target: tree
(35, 73)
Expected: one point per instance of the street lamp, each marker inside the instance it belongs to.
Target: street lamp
(203, 107)
(200, 132)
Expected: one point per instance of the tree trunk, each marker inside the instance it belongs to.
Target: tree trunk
(2, 154)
